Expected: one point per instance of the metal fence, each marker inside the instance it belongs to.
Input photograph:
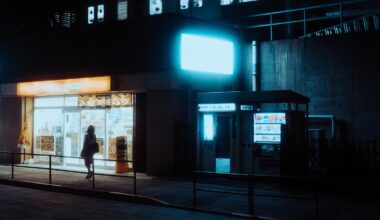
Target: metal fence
(9, 159)
(249, 180)
(346, 165)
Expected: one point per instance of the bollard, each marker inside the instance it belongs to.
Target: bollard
(49, 169)
(317, 202)
(250, 197)
(134, 180)
(93, 175)
(194, 191)
(13, 165)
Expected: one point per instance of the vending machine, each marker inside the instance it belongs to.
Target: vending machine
(279, 143)
(267, 141)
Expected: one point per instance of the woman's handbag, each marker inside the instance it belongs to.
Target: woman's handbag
(94, 147)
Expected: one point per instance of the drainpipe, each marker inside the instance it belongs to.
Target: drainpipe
(290, 4)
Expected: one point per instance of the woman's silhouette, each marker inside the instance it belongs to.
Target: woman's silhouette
(88, 153)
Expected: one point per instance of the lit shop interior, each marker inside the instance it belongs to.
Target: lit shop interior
(60, 122)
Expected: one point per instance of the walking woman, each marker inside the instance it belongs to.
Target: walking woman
(87, 150)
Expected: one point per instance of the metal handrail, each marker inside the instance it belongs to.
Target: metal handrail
(307, 8)
(250, 178)
(34, 154)
(304, 20)
(13, 154)
(338, 25)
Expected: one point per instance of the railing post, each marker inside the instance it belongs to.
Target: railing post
(93, 174)
(13, 165)
(49, 169)
(317, 199)
(341, 16)
(250, 196)
(134, 179)
(194, 190)
(271, 26)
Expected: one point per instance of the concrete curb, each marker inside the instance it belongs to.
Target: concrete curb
(90, 193)
(125, 197)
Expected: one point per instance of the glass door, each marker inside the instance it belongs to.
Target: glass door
(97, 118)
(119, 124)
(72, 136)
(208, 142)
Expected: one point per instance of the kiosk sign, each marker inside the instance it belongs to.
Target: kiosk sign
(222, 107)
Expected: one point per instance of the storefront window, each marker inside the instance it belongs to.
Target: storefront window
(60, 124)
(49, 102)
(48, 132)
(71, 101)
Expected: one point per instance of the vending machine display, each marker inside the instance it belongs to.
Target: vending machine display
(267, 127)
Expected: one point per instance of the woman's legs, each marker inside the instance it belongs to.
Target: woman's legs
(88, 163)
(88, 168)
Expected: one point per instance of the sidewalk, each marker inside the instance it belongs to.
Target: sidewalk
(179, 193)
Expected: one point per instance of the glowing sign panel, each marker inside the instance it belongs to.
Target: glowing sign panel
(208, 127)
(222, 165)
(206, 54)
(66, 86)
(267, 127)
(224, 107)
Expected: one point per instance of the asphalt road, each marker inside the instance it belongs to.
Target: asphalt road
(24, 203)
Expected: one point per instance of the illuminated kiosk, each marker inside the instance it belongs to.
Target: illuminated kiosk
(252, 132)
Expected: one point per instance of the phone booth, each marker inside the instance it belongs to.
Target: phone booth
(252, 132)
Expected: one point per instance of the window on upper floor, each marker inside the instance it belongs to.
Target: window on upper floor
(90, 14)
(198, 3)
(122, 10)
(226, 2)
(95, 14)
(155, 7)
(242, 1)
(184, 4)
(100, 13)
(63, 19)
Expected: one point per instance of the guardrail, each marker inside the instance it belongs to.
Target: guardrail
(250, 179)
(50, 168)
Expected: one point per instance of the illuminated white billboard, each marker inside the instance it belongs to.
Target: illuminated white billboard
(206, 54)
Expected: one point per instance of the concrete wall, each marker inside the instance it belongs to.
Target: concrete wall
(10, 126)
(339, 74)
(168, 142)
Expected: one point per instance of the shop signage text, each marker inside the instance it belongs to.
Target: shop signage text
(223, 107)
(65, 86)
